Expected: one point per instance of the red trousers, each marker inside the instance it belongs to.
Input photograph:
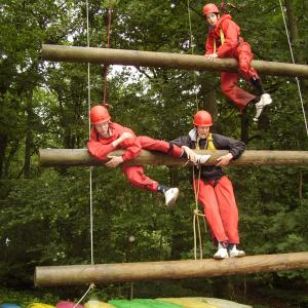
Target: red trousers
(135, 174)
(229, 81)
(220, 208)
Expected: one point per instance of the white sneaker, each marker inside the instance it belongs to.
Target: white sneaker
(202, 159)
(265, 100)
(171, 195)
(221, 253)
(236, 253)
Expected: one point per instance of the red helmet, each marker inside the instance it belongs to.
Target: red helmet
(203, 118)
(99, 114)
(210, 8)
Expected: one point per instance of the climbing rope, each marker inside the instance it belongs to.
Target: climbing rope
(91, 286)
(106, 67)
(293, 60)
(191, 41)
(89, 127)
(197, 213)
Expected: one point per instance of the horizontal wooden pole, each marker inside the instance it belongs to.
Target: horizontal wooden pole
(108, 273)
(164, 60)
(81, 157)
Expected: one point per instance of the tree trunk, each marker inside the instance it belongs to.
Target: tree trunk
(29, 138)
(3, 145)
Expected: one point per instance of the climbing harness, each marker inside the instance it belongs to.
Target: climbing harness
(222, 40)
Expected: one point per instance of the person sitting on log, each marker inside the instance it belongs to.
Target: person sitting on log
(213, 188)
(107, 136)
(224, 41)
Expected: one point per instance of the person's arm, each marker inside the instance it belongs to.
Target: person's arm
(184, 143)
(98, 150)
(209, 45)
(231, 33)
(127, 141)
(181, 141)
(131, 147)
(235, 148)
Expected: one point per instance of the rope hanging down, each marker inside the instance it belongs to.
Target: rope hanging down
(293, 60)
(91, 169)
(91, 286)
(191, 43)
(197, 214)
(106, 67)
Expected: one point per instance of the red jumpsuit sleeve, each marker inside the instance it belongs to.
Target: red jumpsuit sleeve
(98, 150)
(131, 147)
(231, 32)
(209, 44)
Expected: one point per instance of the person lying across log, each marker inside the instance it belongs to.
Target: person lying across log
(107, 136)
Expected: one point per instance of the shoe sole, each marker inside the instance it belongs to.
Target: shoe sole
(241, 256)
(220, 258)
(172, 201)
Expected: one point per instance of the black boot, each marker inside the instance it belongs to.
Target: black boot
(256, 82)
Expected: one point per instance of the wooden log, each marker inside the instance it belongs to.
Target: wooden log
(108, 273)
(164, 60)
(81, 157)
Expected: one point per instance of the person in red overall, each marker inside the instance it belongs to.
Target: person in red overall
(215, 191)
(107, 136)
(224, 41)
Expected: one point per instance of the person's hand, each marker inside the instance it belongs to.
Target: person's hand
(126, 135)
(114, 162)
(191, 155)
(211, 56)
(224, 160)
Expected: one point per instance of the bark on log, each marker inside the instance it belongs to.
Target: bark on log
(81, 157)
(165, 60)
(108, 273)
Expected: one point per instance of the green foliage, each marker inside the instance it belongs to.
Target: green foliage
(45, 213)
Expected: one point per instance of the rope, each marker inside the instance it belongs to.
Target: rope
(192, 52)
(91, 286)
(293, 60)
(197, 214)
(91, 169)
(106, 67)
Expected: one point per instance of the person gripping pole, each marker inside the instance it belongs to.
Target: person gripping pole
(215, 190)
(224, 41)
(107, 136)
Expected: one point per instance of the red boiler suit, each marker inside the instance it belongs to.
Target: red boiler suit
(215, 190)
(232, 47)
(100, 147)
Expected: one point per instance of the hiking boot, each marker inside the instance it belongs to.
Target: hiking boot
(265, 100)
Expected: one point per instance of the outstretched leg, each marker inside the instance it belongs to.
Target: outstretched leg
(229, 87)
(151, 144)
(245, 56)
(135, 175)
